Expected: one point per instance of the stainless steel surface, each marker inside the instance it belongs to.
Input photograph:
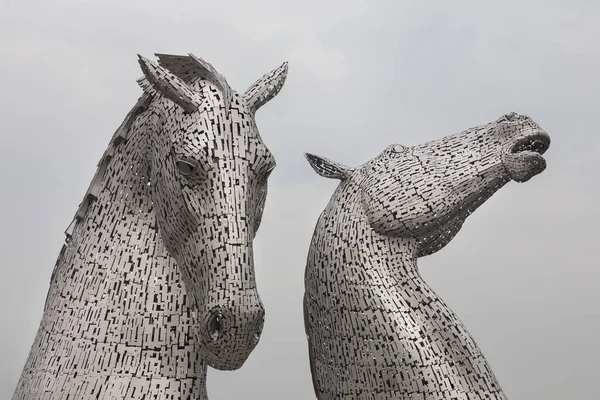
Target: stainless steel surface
(375, 329)
(156, 278)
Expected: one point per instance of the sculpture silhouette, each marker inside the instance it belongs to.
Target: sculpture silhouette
(156, 279)
(375, 329)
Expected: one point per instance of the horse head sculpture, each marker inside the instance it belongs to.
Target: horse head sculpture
(156, 278)
(369, 316)
(208, 168)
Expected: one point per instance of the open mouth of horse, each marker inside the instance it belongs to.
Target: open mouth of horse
(532, 144)
(523, 160)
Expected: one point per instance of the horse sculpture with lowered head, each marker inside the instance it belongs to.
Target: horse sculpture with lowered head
(156, 278)
(375, 329)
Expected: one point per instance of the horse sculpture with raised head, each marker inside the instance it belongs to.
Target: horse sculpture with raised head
(156, 278)
(375, 329)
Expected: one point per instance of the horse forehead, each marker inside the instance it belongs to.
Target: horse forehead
(225, 142)
(233, 145)
(228, 131)
(214, 95)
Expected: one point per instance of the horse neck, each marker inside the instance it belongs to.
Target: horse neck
(120, 221)
(373, 281)
(344, 223)
(115, 283)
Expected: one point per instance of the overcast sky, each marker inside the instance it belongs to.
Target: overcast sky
(523, 272)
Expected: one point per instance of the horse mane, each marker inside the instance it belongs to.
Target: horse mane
(188, 68)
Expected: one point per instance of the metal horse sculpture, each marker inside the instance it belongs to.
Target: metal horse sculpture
(156, 279)
(375, 329)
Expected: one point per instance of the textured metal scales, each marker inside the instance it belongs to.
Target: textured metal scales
(375, 329)
(156, 278)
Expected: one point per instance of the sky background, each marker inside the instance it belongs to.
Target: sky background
(523, 272)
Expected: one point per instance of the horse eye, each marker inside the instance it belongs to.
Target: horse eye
(185, 167)
(398, 148)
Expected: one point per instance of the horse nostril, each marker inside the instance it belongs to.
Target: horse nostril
(257, 334)
(215, 326)
(259, 329)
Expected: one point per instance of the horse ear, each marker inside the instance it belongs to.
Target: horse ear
(328, 168)
(169, 85)
(265, 88)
